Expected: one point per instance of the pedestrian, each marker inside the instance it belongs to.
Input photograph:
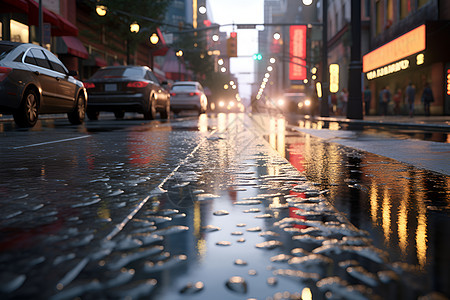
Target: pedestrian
(385, 98)
(367, 99)
(397, 100)
(410, 95)
(427, 98)
(342, 102)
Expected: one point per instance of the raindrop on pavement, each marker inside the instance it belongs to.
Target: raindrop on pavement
(223, 243)
(221, 213)
(237, 284)
(192, 288)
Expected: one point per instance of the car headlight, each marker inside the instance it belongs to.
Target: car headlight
(221, 104)
(280, 102)
(307, 102)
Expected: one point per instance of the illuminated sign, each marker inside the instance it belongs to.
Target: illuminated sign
(448, 81)
(297, 52)
(334, 78)
(403, 46)
(392, 68)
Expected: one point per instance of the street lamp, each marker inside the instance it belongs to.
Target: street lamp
(134, 27)
(154, 39)
(101, 10)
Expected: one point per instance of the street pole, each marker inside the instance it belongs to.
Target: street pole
(41, 24)
(324, 110)
(355, 107)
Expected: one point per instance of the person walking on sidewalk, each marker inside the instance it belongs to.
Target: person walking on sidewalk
(397, 100)
(367, 99)
(385, 98)
(427, 98)
(410, 95)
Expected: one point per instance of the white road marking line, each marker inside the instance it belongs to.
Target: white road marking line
(52, 142)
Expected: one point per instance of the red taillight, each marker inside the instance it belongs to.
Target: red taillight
(137, 84)
(173, 94)
(4, 72)
(194, 94)
(89, 85)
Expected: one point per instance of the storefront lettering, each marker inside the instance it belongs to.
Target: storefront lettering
(392, 68)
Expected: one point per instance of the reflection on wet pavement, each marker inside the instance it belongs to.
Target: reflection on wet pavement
(231, 219)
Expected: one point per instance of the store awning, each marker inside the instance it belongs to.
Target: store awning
(71, 45)
(161, 47)
(60, 26)
(100, 62)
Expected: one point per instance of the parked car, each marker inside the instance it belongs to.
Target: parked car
(121, 89)
(34, 81)
(188, 95)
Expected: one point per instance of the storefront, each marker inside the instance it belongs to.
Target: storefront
(418, 57)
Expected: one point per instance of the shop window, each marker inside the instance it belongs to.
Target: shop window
(421, 3)
(379, 17)
(405, 8)
(19, 32)
(390, 13)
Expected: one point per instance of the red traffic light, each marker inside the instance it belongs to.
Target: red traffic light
(233, 34)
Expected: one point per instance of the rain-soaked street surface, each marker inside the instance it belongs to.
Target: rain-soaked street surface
(214, 208)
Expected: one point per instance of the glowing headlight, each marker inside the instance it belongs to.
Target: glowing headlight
(280, 102)
(232, 103)
(221, 104)
(307, 102)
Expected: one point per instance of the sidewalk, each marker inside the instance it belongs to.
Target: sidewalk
(430, 122)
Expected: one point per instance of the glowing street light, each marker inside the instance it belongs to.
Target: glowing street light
(220, 62)
(134, 27)
(307, 2)
(215, 38)
(154, 39)
(272, 60)
(101, 10)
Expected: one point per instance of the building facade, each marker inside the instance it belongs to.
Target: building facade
(409, 45)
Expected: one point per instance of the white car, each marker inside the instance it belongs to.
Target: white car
(188, 95)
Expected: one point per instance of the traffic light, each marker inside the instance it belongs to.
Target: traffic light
(232, 45)
(257, 56)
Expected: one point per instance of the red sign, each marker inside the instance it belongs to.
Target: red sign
(297, 52)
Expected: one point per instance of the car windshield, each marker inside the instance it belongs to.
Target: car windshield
(5, 49)
(119, 73)
(183, 87)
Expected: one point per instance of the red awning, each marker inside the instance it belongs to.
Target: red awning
(72, 45)
(100, 62)
(161, 47)
(60, 26)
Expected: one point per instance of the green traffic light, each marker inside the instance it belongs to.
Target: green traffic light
(257, 56)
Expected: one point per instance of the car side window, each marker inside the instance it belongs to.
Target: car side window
(40, 58)
(151, 76)
(55, 63)
(29, 59)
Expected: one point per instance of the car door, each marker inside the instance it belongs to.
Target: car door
(37, 63)
(66, 84)
(161, 93)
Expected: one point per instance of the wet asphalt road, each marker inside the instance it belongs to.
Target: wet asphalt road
(121, 208)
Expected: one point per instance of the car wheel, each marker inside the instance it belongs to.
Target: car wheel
(76, 117)
(27, 114)
(150, 111)
(166, 112)
(93, 115)
(119, 114)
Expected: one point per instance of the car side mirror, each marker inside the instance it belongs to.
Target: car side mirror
(73, 73)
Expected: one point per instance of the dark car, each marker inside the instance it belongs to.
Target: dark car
(34, 81)
(121, 89)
